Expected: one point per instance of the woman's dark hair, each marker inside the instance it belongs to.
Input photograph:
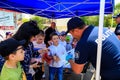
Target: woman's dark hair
(26, 31)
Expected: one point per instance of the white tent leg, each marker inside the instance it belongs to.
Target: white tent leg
(101, 19)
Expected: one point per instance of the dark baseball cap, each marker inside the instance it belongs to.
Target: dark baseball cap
(63, 33)
(74, 22)
(118, 15)
(8, 33)
(9, 46)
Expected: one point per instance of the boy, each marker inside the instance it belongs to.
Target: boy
(13, 52)
(68, 45)
(57, 51)
(39, 44)
(9, 35)
(62, 38)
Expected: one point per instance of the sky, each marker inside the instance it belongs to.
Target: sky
(117, 1)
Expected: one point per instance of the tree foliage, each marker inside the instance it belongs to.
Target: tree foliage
(108, 20)
(91, 20)
(40, 21)
(25, 20)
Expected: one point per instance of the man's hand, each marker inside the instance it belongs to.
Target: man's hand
(69, 57)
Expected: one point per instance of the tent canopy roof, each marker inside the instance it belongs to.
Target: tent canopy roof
(57, 8)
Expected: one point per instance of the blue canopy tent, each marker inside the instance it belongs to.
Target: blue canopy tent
(57, 8)
(64, 9)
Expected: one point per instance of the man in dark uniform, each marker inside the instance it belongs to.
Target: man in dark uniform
(50, 30)
(117, 30)
(86, 49)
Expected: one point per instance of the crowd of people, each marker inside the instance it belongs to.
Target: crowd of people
(39, 54)
(32, 54)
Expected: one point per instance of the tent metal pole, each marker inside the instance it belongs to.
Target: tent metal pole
(99, 49)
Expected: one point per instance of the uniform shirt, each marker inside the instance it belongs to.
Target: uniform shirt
(117, 30)
(86, 50)
(12, 73)
(60, 52)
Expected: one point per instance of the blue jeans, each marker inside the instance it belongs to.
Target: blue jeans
(53, 71)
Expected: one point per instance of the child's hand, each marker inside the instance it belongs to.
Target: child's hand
(40, 51)
(35, 65)
(44, 50)
(57, 59)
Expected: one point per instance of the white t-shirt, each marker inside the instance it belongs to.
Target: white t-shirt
(36, 45)
(60, 51)
(63, 43)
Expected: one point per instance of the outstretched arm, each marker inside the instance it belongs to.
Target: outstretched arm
(77, 68)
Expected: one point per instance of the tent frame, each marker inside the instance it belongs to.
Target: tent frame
(100, 32)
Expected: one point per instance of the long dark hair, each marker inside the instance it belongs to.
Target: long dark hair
(26, 31)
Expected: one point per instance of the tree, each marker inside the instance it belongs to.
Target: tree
(117, 9)
(25, 20)
(91, 20)
(108, 20)
(40, 21)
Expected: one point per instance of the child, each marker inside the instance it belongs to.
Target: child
(13, 52)
(9, 35)
(62, 38)
(74, 42)
(68, 45)
(57, 51)
(39, 44)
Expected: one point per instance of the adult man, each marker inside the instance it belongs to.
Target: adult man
(86, 49)
(50, 30)
(117, 30)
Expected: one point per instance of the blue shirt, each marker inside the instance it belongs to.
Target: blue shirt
(86, 51)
